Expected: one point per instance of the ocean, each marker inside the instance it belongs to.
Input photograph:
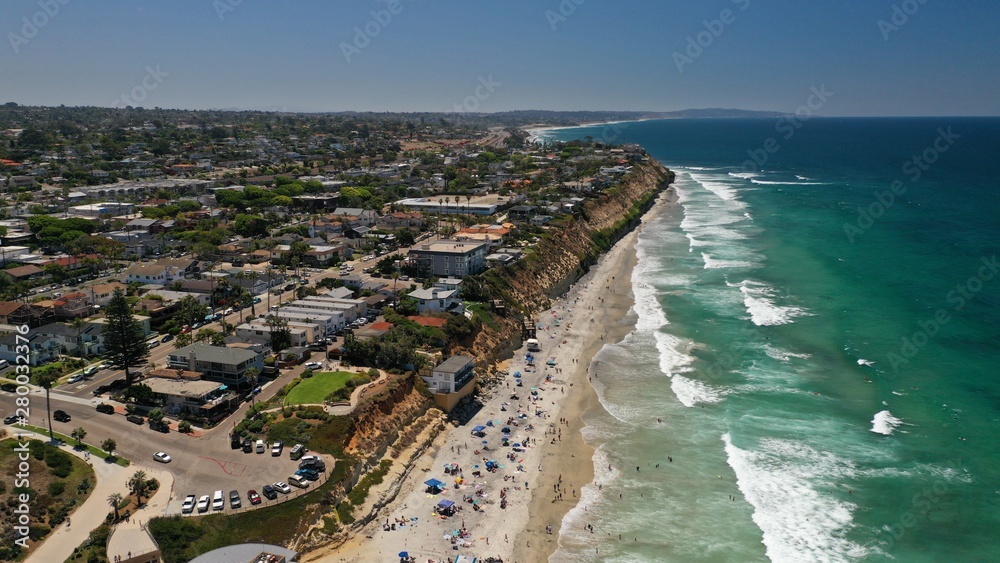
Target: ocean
(813, 372)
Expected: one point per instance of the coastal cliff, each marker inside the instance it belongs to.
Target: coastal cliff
(563, 254)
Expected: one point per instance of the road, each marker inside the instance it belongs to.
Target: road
(201, 464)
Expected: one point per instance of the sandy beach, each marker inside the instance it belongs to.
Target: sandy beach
(537, 476)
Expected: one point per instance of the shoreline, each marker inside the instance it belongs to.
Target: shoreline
(534, 129)
(571, 335)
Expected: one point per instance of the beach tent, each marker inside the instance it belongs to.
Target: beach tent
(479, 431)
(434, 484)
(446, 503)
(506, 430)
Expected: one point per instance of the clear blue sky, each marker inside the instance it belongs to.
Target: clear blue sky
(432, 55)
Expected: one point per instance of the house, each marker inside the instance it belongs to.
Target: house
(412, 220)
(181, 392)
(324, 255)
(101, 294)
(41, 348)
(217, 363)
(15, 313)
(259, 331)
(450, 258)
(142, 320)
(22, 273)
(102, 209)
(73, 305)
(450, 381)
(148, 273)
(437, 300)
(83, 341)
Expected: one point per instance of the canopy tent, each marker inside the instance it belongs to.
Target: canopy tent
(479, 429)
(434, 483)
(446, 503)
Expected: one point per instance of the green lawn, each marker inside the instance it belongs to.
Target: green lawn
(43, 434)
(317, 387)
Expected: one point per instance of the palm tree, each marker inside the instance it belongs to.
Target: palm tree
(46, 380)
(78, 434)
(114, 499)
(78, 323)
(139, 485)
(251, 375)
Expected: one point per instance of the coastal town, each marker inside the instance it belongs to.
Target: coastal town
(329, 337)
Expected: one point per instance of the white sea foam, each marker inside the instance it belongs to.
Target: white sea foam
(759, 300)
(724, 190)
(777, 183)
(783, 355)
(782, 480)
(885, 423)
(864, 362)
(713, 264)
(744, 175)
(691, 392)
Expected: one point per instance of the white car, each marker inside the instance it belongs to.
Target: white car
(188, 506)
(203, 503)
(313, 365)
(162, 457)
(283, 487)
(75, 378)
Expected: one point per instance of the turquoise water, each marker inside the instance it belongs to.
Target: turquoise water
(820, 350)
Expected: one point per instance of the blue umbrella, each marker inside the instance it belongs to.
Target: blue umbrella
(404, 554)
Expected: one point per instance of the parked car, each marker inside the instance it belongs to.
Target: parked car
(297, 451)
(276, 448)
(299, 481)
(283, 487)
(234, 499)
(253, 497)
(310, 474)
(162, 457)
(203, 503)
(75, 378)
(188, 506)
(159, 426)
(12, 419)
(167, 338)
(91, 370)
(269, 492)
(218, 501)
(153, 344)
(61, 416)
(313, 365)
(105, 408)
(247, 445)
(135, 419)
(313, 462)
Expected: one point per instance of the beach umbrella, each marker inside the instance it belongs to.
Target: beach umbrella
(517, 445)
(486, 441)
(404, 554)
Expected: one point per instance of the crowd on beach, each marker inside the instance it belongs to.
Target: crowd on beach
(488, 468)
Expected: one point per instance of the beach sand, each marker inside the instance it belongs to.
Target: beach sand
(557, 461)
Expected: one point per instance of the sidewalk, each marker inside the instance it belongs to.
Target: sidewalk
(130, 538)
(59, 544)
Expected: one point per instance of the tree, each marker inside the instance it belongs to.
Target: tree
(109, 446)
(139, 485)
(281, 335)
(46, 380)
(123, 337)
(183, 339)
(251, 374)
(190, 311)
(115, 499)
(155, 415)
(78, 434)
